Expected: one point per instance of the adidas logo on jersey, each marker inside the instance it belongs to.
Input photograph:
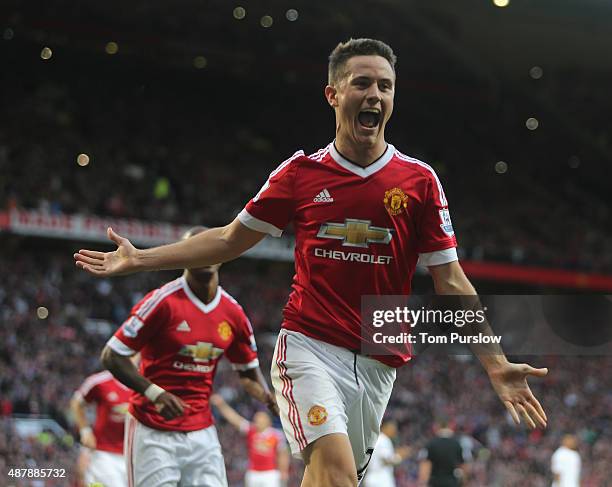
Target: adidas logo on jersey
(323, 197)
(183, 326)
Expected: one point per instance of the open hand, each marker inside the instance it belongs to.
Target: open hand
(105, 264)
(510, 383)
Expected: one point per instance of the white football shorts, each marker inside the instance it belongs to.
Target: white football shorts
(106, 468)
(157, 458)
(323, 389)
(262, 478)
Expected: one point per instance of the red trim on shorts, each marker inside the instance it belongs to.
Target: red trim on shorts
(287, 386)
(292, 405)
(279, 354)
(288, 394)
(293, 399)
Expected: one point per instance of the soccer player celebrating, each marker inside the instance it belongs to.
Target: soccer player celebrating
(101, 461)
(364, 214)
(181, 331)
(268, 456)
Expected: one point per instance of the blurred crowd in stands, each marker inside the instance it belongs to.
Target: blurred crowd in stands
(44, 358)
(193, 156)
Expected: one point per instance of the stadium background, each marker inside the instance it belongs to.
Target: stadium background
(161, 114)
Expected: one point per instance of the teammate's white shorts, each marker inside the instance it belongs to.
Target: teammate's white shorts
(262, 478)
(323, 389)
(158, 458)
(106, 468)
(380, 479)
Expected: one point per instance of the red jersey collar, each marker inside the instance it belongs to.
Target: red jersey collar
(206, 308)
(364, 172)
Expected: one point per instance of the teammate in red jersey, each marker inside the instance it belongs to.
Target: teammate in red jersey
(268, 455)
(181, 330)
(364, 214)
(102, 459)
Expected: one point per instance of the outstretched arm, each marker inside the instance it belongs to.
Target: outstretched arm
(508, 379)
(229, 413)
(212, 246)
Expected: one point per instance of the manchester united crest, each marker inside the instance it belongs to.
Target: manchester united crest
(317, 415)
(225, 331)
(395, 201)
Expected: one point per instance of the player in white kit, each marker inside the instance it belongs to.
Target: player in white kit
(566, 464)
(385, 457)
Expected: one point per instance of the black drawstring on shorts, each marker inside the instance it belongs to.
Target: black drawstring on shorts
(355, 367)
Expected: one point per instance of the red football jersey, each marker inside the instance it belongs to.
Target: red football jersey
(111, 398)
(263, 447)
(181, 340)
(358, 231)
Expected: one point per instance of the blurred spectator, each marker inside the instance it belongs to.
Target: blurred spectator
(385, 457)
(441, 461)
(565, 463)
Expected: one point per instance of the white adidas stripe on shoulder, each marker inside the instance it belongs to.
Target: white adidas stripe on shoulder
(286, 162)
(158, 295)
(93, 380)
(320, 154)
(412, 160)
(316, 154)
(282, 165)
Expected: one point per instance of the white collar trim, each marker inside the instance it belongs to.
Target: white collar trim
(206, 308)
(364, 172)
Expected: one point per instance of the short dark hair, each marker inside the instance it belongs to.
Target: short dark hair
(356, 47)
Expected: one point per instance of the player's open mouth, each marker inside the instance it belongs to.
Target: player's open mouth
(369, 118)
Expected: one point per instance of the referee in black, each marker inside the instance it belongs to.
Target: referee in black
(441, 461)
